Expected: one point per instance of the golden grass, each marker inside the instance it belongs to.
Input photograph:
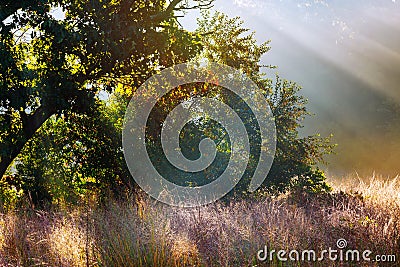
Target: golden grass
(378, 190)
(364, 212)
(69, 238)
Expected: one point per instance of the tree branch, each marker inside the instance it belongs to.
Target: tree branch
(207, 4)
(30, 125)
(167, 13)
(173, 7)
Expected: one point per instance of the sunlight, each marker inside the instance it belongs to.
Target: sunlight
(345, 54)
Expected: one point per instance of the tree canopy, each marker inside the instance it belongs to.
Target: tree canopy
(68, 140)
(50, 65)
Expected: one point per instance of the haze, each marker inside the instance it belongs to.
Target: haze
(346, 56)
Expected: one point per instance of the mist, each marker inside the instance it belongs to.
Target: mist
(346, 56)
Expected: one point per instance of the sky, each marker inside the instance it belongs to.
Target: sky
(346, 56)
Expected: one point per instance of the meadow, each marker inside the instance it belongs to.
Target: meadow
(141, 232)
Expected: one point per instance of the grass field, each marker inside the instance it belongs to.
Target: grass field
(364, 212)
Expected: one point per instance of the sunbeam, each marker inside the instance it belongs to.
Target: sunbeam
(346, 56)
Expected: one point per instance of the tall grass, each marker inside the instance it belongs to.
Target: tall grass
(364, 212)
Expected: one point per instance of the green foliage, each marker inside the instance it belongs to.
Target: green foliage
(50, 66)
(71, 154)
(226, 41)
(69, 142)
(297, 158)
(9, 194)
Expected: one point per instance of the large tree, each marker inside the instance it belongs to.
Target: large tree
(297, 158)
(50, 65)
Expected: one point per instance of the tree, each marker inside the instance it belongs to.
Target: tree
(78, 150)
(50, 66)
(71, 154)
(296, 158)
(224, 40)
(296, 161)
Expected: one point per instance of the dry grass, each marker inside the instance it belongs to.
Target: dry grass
(364, 212)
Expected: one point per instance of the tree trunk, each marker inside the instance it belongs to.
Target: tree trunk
(30, 124)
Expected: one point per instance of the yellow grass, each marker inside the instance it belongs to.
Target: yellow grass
(366, 212)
